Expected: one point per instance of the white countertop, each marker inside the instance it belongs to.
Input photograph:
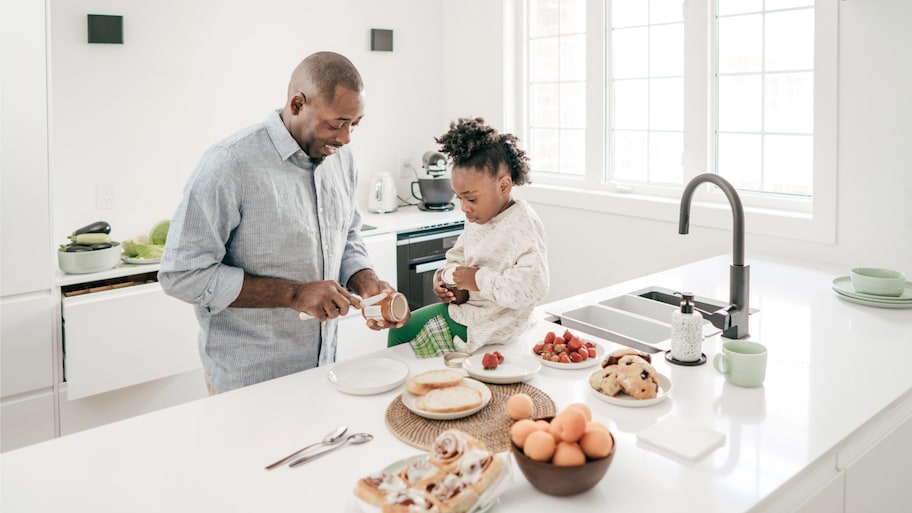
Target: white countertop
(209, 455)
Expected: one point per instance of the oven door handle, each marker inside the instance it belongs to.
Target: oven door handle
(429, 266)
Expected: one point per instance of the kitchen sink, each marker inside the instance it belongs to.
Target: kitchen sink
(640, 319)
(618, 326)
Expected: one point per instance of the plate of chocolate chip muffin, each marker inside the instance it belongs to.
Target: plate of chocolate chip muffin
(627, 378)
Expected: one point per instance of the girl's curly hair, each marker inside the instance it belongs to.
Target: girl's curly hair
(471, 143)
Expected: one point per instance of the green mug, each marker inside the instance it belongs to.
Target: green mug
(742, 362)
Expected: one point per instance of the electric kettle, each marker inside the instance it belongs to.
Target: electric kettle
(381, 198)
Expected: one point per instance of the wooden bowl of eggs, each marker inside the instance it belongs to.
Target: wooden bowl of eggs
(564, 455)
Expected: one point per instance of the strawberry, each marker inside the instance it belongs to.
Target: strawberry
(489, 361)
(500, 357)
(549, 338)
(591, 352)
(574, 344)
(576, 357)
(537, 348)
(563, 358)
(583, 354)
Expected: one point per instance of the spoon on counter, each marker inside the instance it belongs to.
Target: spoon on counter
(357, 438)
(331, 438)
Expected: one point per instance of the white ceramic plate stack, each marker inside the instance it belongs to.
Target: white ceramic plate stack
(845, 290)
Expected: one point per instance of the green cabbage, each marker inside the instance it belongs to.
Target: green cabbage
(159, 233)
(135, 249)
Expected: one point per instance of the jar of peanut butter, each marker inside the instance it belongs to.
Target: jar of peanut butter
(393, 308)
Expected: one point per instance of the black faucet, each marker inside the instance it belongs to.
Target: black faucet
(732, 319)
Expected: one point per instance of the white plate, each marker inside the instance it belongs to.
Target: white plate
(408, 399)
(623, 399)
(516, 368)
(368, 376)
(588, 362)
(485, 502)
(137, 260)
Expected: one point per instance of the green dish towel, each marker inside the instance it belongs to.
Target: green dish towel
(434, 339)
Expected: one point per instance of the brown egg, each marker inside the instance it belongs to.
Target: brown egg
(592, 424)
(543, 424)
(583, 407)
(519, 406)
(568, 454)
(596, 443)
(569, 425)
(539, 446)
(520, 430)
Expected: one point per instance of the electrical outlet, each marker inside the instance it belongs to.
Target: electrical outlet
(104, 196)
(405, 167)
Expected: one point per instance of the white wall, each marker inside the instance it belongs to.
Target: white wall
(590, 250)
(139, 115)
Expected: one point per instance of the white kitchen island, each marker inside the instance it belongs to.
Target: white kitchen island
(830, 430)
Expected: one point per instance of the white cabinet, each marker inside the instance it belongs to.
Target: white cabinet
(122, 337)
(26, 347)
(25, 263)
(25, 343)
(879, 479)
(27, 419)
(96, 410)
(828, 499)
(26, 370)
(355, 338)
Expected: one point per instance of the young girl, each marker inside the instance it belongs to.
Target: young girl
(499, 264)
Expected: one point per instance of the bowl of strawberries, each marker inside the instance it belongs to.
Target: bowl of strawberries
(567, 351)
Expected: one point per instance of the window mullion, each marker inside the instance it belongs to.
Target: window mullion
(596, 133)
(699, 87)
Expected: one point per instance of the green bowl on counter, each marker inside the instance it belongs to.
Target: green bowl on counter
(84, 262)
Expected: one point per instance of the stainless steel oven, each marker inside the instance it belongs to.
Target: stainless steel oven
(418, 254)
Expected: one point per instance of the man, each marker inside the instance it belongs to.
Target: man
(268, 227)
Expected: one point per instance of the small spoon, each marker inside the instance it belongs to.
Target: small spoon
(357, 438)
(331, 438)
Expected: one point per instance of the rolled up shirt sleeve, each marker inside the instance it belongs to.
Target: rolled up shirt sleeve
(192, 267)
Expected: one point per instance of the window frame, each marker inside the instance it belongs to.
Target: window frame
(810, 219)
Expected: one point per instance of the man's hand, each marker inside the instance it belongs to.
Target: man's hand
(323, 299)
(366, 283)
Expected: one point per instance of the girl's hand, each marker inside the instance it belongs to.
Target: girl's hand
(465, 278)
(450, 295)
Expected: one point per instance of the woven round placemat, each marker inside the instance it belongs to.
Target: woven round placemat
(491, 425)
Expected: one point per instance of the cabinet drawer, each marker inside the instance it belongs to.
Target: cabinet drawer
(26, 420)
(26, 344)
(122, 337)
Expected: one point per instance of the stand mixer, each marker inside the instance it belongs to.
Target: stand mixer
(436, 192)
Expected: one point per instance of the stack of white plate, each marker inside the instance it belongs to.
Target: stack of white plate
(845, 290)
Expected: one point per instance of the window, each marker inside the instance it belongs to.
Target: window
(630, 99)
